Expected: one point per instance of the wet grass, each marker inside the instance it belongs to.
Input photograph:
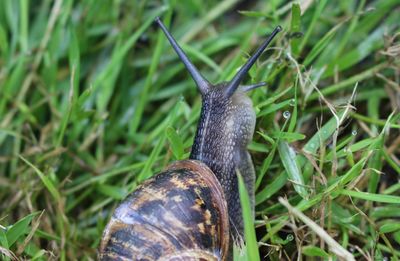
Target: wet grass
(94, 101)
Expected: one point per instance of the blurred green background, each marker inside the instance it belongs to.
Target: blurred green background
(93, 100)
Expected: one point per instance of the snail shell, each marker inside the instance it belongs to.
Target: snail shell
(179, 214)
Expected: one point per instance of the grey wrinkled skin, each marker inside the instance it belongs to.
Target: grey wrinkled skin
(225, 129)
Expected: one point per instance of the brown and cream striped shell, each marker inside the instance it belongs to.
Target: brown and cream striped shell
(179, 214)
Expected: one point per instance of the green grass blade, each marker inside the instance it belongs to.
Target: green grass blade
(288, 158)
(175, 142)
(314, 251)
(143, 97)
(371, 196)
(114, 192)
(249, 232)
(321, 45)
(311, 26)
(47, 182)
(389, 227)
(20, 228)
(269, 190)
(105, 80)
(295, 28)
(323, 134)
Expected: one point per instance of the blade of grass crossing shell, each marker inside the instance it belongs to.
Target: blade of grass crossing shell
(249, 232)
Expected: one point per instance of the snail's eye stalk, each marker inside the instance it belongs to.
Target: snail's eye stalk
(234, 83)
(200, 81)
(246, 88)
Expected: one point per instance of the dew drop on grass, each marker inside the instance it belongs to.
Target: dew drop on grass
(286, 115)
(290, 237)
(292, 102)
(354, 133)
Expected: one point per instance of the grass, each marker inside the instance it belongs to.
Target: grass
(94, 101)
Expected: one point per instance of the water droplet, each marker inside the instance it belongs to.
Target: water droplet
(352, 249)
(385, 258)
(289, 237)
(292, 102)
(354, 132)
(286, 114)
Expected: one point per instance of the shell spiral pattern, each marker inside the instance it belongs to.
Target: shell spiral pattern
(180, 214)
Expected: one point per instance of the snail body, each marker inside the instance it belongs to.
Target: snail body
(191, 211)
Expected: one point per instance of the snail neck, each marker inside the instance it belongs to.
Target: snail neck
(223, 159)
(212, 144)
(224, 130)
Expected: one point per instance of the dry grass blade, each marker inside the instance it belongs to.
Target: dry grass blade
(334, 246)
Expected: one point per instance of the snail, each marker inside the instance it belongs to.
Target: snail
(191, 210)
